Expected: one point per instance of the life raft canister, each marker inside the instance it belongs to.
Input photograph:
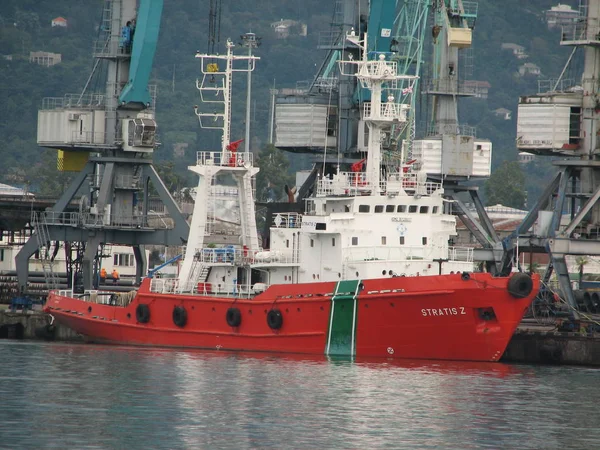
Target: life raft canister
(233, 317)
(142, 313)
(274, 319)
(520, 285)
(179, 316)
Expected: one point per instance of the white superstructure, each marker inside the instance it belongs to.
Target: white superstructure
(359, 225)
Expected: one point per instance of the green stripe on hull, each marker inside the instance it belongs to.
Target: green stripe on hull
(341, 337)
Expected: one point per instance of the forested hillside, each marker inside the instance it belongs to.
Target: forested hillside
(25, 26)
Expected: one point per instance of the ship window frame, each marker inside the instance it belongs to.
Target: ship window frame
(364, 208)
(401, 208)
(312, 242)
(424, 240)
(412, 209)
(354, 240)
(378, 209)
(423, 209)
(402, 240)
(383, 240)
(333, 242)
(390, 208)
(435, 210)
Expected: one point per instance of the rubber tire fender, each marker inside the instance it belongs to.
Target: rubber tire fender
(274, 319)
(233, 317)
(520, 285)
(179, 316)
(142, 313)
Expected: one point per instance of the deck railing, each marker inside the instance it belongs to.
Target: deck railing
(287, 220)
(174, 286)
(408, 253)
(231, 255)
(355, 183)
(99, 220)
(226, 159)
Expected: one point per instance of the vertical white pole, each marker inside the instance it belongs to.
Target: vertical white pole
(248, 95)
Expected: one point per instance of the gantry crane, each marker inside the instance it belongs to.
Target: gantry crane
(563, 119)
(108, 138)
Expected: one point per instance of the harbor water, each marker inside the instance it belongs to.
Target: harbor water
(80, 396)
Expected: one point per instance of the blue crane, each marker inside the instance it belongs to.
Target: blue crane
(143, 37)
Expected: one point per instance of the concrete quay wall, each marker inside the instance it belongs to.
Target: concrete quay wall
(34, 325)
(553, 347)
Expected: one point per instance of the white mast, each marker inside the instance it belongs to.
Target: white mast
(378, 76)
(215, 88)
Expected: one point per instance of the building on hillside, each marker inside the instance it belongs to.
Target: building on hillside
(179, 149)
(517, 50)
(59, 22)
(525, 157)
(286, 27)
(45, 58)
(479, 88)
(561, 16)
(11, 191)
(503, 113)
(529, 69)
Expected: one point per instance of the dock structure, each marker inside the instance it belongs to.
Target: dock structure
(546, 344)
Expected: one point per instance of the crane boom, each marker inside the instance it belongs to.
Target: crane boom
(135, 94)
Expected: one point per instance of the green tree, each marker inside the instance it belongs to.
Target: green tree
(581, 262)
(273, 175)
(172, 179)
(506, 186)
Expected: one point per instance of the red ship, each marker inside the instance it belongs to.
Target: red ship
(366, 271)
(458, 317)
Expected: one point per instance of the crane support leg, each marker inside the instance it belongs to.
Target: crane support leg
(141, 264)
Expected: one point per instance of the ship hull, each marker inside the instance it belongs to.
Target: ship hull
(446, 317)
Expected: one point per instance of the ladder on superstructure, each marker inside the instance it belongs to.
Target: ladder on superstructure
(43, 239)
(199, 272)
(249, 218)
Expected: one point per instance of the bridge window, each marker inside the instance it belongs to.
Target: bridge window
(363, 208)
(402, 208)
(424, 209)
(354, 241)
(321, 226)
(379, 208)
(389, 208)
(412, 209)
